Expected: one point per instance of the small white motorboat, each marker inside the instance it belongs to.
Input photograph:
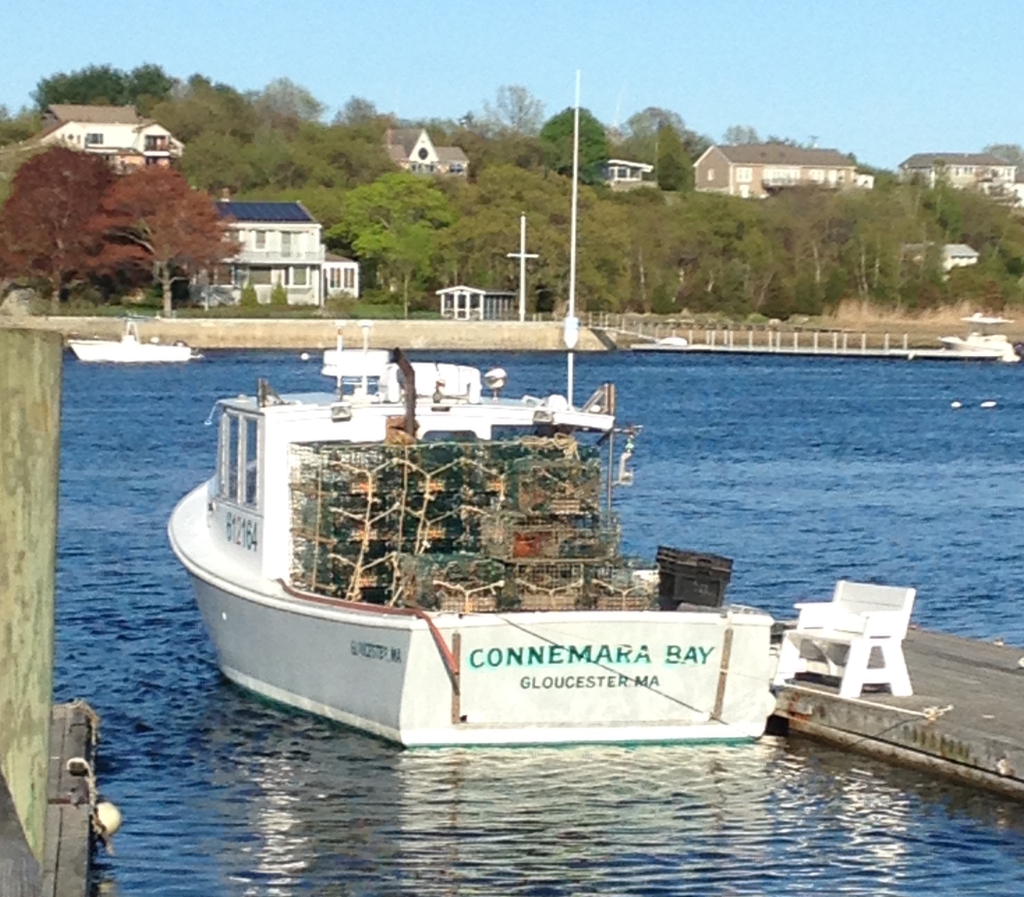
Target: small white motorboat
(666, 344)
(980, 343)
(130, 349)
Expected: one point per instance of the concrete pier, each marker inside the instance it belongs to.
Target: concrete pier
(965, 719)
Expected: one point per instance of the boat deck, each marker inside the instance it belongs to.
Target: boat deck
(965, 719)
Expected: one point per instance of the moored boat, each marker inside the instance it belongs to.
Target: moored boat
(129, 349)
(436, 566)
(980, 343)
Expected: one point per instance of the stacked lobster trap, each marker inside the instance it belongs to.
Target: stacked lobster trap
(459, 526)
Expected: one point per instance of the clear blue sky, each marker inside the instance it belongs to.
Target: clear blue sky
(879, 79)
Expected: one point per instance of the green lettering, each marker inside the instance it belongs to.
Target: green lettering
(476, 658)
(535, 655)
(643, 655)
(555, 653)
(604, 653)
(579, 655)
(622, 654)
(514, 654)
(704, 654)
(691, 655)
(673, 654)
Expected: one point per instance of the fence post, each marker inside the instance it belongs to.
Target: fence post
(863, 342)
(904, 342)
(30, 388)
(845, 341)
(815, 342)
(886, 346)
(835, 340)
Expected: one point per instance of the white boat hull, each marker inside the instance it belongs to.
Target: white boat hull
(518, 678)
(128, 352)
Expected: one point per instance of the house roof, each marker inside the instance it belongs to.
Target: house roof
(264, 211)
(450, 154)
(461, 288)
(928, 160)
(783, 154)
(107, 115)
(959, 250)
(334, 257)
(403, 137)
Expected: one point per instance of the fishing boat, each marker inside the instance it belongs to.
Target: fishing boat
(980, 342)
(130, 349)
(417, 559)
(434, 565)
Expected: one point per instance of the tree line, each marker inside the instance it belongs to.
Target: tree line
(664, 249)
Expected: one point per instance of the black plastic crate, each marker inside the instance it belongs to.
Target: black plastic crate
(686, 577)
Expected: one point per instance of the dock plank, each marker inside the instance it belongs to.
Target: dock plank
(68, 844)
(965, 719)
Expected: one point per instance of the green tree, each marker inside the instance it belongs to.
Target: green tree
(248, 299)
(674, 167)
(515, 111)
(394, 223)
(105, 85)
(557, 138)
(278, 295)
(735, 134)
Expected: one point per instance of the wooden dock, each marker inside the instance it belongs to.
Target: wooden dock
(70, 794)
(965, 720)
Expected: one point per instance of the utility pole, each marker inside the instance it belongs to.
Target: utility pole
(522, 255)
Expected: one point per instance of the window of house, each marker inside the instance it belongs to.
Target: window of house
(744, 175)
(240, 276)
(94, 139)
(456, 168)
(300, 277)
(286, 243)
(817, 175)
(711, 174)
(350, 279)
(334, 278)
(260, 239)
(259, 276)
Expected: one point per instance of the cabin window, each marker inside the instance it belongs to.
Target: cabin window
(239, 459)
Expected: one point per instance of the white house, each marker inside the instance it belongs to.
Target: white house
(413, 150)
(463, 303)
(340, 276)
(621, 174)
(118, 133)
(280, 245)
(981, 171)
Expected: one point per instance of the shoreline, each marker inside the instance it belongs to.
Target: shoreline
(509, 336)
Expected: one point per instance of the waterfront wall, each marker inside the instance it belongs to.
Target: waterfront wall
(283, 333)
(30, 391)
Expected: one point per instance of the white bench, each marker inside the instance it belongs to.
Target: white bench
(861, 617)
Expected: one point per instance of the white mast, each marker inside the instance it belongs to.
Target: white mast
(522, 255)
(571, 333)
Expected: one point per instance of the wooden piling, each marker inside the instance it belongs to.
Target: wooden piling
(30, 389)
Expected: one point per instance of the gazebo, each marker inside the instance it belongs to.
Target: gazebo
(462, 303)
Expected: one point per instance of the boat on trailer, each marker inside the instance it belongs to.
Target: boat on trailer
(434, 565)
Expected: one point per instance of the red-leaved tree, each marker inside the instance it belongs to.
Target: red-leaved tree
(153, 218)
(45, 223)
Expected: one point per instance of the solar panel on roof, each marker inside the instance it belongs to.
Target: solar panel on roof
(263, 211)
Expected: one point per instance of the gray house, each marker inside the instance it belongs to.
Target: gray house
(759, 169)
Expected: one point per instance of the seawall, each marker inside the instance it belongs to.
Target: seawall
(282, 333)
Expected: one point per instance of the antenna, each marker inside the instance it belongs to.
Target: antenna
(571, 333)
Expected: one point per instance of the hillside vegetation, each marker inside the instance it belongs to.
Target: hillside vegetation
(663, 249)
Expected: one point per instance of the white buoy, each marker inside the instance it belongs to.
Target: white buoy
(304, 356)
(988, 404)
(108, 816)
(956, 404)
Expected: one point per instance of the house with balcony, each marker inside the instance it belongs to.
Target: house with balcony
(962, 171)
(412, 150)
(621, 174)
(761, 169)
(280, 244)
(118, 133)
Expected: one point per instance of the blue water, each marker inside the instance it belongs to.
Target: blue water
(803, 470)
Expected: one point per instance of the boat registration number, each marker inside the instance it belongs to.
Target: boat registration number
(242, 531)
